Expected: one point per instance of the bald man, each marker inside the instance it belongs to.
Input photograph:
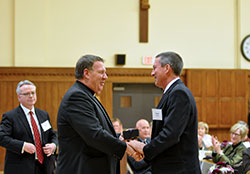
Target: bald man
(141, 167)
(144, 129)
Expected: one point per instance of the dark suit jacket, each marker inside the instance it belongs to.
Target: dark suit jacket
(87, 139)
(14, 131)
(246, 160)
(174, 143)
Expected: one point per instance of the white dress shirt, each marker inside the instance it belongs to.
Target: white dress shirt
(170, 83)
(27, 114)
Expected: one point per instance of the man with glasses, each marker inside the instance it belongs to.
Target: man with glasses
(27, 135)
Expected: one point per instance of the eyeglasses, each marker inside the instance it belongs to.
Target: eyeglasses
(29, 93)
(235, 134)
(102, 73)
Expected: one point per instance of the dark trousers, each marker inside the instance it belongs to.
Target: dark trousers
(39, 168)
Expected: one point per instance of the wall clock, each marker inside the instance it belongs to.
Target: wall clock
(245, 47)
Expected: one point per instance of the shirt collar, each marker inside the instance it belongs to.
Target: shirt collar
(90, 90)
(169, 84)
(26, 110)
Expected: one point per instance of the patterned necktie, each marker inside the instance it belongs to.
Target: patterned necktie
(39, 151)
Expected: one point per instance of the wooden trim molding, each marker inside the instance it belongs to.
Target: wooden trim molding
(14, 73)
(133, 75)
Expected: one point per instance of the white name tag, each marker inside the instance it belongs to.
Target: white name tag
(46, 126)
(157, 114)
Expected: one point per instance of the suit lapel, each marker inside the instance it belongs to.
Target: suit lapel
(165, 95)
(160, 106)
(99, 105)
(103, 110)
(24, 121)
(38, 115)
(105, 115)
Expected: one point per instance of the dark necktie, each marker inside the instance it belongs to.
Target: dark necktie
(37, 138)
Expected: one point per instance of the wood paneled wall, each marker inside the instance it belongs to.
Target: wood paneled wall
(222, 95)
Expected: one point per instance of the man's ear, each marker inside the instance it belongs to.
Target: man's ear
(167, 66)
(18, 97)
(86, 73)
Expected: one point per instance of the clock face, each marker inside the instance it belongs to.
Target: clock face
(245, 47)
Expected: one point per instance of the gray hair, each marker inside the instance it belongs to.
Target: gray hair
(21, 83)
(243, 129)
(243, 123)
(84, 62)
(173, 59)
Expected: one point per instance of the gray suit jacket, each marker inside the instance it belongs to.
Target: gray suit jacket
(87, 139)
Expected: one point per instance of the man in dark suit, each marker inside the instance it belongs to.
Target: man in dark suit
(27, 135)
(246, 161)
(87, 140)
(141, 167)
(174, 145)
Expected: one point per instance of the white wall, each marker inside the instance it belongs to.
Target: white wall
(244, 27)
(46, 33)
(6, 32)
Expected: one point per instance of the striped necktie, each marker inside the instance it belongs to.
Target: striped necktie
(37, 138)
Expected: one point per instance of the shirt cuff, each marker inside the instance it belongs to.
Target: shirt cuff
(54, 149)
(23, 147)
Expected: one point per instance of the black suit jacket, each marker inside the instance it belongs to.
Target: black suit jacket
(87, 139)
(174, 144)
(246, 160)
(14, 131)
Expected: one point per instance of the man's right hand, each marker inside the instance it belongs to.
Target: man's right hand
(137, 146)
(29, 148)
(131, 152)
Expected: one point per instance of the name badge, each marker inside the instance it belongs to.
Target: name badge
(157, 114)
(46, 126)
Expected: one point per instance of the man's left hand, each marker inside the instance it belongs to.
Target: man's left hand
(49, 149)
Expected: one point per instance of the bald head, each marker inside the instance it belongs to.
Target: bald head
(144, 129)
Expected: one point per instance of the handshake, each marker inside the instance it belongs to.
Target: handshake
(134, 147)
